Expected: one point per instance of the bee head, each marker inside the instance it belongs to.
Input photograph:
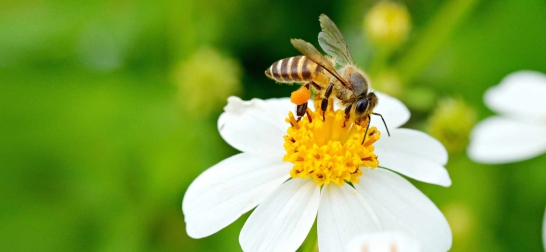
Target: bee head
(365, 105)
(361, 106)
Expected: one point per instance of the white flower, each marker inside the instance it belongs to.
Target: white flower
(519, 132)
(384, 242)
(286, 209)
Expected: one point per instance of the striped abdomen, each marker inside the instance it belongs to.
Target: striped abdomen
(293, 69)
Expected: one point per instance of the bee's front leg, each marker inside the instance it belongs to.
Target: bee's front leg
(367, 127)
(347, 113)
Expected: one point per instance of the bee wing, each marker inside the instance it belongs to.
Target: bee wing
(333, 43)
(313, 54)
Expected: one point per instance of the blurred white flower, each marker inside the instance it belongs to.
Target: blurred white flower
(519, 132)
(384, 242)
(286, 208)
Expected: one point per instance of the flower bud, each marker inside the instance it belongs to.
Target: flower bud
(205, 80)
(451, 123)
(387, 24)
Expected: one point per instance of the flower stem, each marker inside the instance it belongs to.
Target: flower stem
(311, 242)
(432, 37)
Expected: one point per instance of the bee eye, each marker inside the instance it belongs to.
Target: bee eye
(361, 105)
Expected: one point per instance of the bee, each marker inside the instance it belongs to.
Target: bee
(314, 71)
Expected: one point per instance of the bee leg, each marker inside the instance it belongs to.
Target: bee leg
(309, 116)
(300, 110)
(312, 83)
(347, 114)
(324, 104)
(367, 127)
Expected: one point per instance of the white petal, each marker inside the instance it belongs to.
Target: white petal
(255, 126)
(501, 140)
(520, 94)
(393, 111)
(386, 241)
(342, 215)
(401, 207)
(283, 220)
(224, 192)
(416, 143)
(414, 154)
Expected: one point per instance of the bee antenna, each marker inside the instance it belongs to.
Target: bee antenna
(383, 122)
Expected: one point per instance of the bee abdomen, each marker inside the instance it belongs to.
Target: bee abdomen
(293, 69)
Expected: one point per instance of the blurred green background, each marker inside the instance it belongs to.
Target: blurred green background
(108, 110)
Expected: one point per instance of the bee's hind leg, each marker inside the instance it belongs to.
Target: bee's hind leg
(314, 85)
(300, 110)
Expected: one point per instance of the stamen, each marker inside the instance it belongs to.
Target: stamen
(293, 120)
(373, 136)
(329, 151)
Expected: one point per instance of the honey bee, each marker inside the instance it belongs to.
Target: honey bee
(314, 71)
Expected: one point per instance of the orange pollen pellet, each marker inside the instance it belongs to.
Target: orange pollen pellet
(300, 96)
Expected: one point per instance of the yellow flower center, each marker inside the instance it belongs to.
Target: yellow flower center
(329, 150)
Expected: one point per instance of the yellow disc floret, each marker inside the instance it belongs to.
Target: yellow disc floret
(330, 148)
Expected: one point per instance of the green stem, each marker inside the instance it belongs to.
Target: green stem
(433, 36)
(311, 242)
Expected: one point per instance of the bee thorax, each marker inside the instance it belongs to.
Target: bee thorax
(359, 83)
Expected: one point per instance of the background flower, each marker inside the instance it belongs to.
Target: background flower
(519, 132)
(383, 242)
